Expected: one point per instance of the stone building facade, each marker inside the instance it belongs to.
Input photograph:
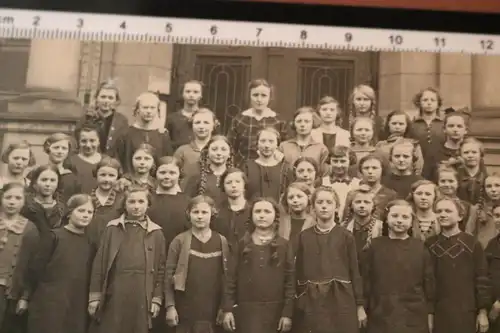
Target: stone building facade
(44, 83)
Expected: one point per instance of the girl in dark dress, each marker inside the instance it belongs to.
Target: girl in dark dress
(363, 104)
(340, 161)
(402, 174)
(234, 210)
(144, 130)
(330, 132)
(57, 147)
(203, 124)
(472, 172)
(461, 273)
(422, 196)
(398, 129)
(18, 157)
(427, 128)
(447, 182)
(216, 157)
(329, 286)
(126, 286)
(269, 174)
(88, 156)
(196, 271)
(261, 282)
(493, 257)
(399, 278)
(59, 302)
(18, 246)
(372, 169)
(143, 169)
(108, 202)
(296, 213)
(43, 205)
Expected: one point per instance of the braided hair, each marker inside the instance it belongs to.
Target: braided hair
(367, 91)
(205, 163)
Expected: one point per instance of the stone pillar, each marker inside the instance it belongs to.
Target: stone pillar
(455, 79)
(402, 75)
(486, 88)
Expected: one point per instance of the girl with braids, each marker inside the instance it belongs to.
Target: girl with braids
(18, 247)
(461, 274)
(60, 299)
(58, 146)
(493, 258)
(43, 204)
(363, 104)
(427, 128)
(398, 277)
(88, 156)
(398, 129)
(303, 144)
(329, 286)
(144, 130)
(111, 123)
(216, 157)
(143, 169)
(179, 124)
(306, 170)
(269, 174)
(242, 134)
(363, 225)
(447, 182)
(362, 132)
(126, 284)
(18, 157)
(234, 209)
(196, 272)
(422, 196)
(402, 174)
(472, 172)
(203, 124)
(341, 160)
(107, 200)
(296, 215)
(330, 131)
(261, 279)
(484, 227)
(372, 169)
(456, 123)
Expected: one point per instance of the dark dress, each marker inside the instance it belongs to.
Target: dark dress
(400, 183)
(45, 219)
(84, 172)
(267, 181)
(232, 224)
(263, 287)
(126, 309)
(462, 286)
(199, 304)
(430, 137)
(471, 188)
(329, 139)
(329, 285)
(399, 285)
(493, 257)
(212, 189)
(180, 128)
(59, 302)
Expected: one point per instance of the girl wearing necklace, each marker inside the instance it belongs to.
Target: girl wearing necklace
(19, 241)
(126, 285)
(422, 196)
(216, 157)
(399, 277)
(329, 286)
(196, 272)
(43, 204)
(261, 279)
(18, 157)
(59, 301)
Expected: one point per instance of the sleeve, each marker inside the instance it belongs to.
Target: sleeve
(192, 185)
(289, 292)
(170, 267)
(346, 215)
(179, 155)
(323, 158)
(418, 165)
(471, 220)
(158, 292)
(482, 282)
(357, 282)
(229, 298)
(27, 252)
(429, 280)
(366, 273)
(233, 135)
(99, 267)
(492, 258)
(167, 148)
(40, 258)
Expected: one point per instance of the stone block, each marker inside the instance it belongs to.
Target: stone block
(455, 63)
(132, 54)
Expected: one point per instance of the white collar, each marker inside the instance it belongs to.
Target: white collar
(267, 113)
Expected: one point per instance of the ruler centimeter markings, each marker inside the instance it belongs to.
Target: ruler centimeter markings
(102, 27)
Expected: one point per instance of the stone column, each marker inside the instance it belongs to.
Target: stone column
(455, 79)
(402, 75)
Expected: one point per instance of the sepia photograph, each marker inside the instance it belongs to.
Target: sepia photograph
(151, 187)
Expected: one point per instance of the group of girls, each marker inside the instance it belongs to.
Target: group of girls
(380, 227)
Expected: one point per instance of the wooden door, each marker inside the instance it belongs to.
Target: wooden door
(225, 73)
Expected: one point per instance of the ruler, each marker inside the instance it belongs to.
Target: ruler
(30, 24)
